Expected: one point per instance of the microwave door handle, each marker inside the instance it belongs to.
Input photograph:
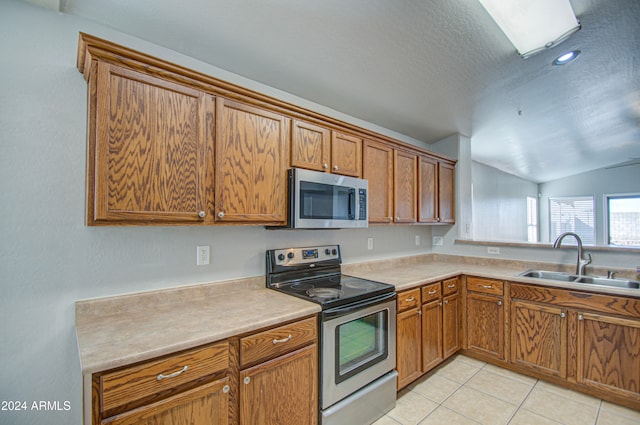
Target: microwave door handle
(352, 204)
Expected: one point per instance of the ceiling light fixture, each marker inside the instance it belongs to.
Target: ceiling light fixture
(565, 58)
(533, 25)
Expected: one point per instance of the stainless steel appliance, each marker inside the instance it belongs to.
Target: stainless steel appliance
(326, 201)
(357, 332)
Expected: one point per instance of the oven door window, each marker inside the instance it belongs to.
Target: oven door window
(360, 344)
(326, 202)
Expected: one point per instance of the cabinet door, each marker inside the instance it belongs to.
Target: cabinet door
(446, 193)
(205, 405)
(539, 337)
(608, 354)
(485, 325)
(346, 154)
(408, 346)
(150, 149)
(451, 324)
(310, 146)
(427, 190)
(377, 168)
(251, 164)
(283, 391)
(432, 353)
(405, 170)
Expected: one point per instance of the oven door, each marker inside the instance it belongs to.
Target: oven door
(358, 346)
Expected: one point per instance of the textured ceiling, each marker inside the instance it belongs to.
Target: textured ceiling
(424, 68)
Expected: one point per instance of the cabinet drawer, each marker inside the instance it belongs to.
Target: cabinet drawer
(431, 292)
(274, 342)
(123, 388)
(486, 286)
(408, 299)
(450, 286)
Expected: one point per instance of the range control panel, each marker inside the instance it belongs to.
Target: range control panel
(307, 255)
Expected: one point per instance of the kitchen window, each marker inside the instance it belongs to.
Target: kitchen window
(532, 219)
(623, 220)
(572, 214)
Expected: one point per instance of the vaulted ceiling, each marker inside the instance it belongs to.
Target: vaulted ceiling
(424, 68)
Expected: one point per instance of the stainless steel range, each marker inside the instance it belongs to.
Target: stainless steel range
(357, 332)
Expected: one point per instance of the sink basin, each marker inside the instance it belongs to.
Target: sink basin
(588, 280)
(618, 283)
(544, 274)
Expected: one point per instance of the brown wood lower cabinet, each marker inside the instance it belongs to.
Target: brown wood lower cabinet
(428, 328)
(268, 377)
(608, 354)
(485, 317)
(539, 337)
(282, 391)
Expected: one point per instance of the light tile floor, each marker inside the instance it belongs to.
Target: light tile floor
(466, 391)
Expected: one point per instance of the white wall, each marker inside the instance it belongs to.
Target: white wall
(500, 204)
(599, 184)
(49, 259)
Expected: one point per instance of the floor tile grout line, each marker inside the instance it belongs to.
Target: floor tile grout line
(598, 413)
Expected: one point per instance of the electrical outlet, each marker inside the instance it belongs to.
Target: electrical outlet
(203, 256)
(417, 240)
(438, 241)
(494, 250)
(369, 244)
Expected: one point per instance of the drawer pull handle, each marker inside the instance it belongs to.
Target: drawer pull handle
(172, 375)
(432, 292)
(453, 285)
(487, 286)
(410, 300)
(280, 341)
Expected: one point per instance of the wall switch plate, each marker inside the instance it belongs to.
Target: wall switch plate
(203, 256)
(417, 240)
(369, 244)
(438, 241)
(493, 250)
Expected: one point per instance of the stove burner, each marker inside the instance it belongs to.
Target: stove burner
(360, 284)
(302, 286)
(323, 292)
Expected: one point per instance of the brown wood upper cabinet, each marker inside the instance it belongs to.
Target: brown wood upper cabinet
(150, 149)
(250, 171)
(377, 168)
(436, 197)
(405, 186)
(317, 148)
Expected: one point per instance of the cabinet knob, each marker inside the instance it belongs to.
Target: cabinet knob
(246, 380)
(325, 165)
(446, 301)
(397, 218)
(580, 317)
(220, 214)
(499, 302)
(563, 314)
(335, 168)
(225, 389)
(202, 214)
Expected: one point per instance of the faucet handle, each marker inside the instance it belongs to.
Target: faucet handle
(611, 274)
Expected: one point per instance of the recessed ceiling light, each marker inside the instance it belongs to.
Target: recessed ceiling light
(566, 57)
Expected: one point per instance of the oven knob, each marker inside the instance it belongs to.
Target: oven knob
(327, 251)
(281, 257)
(291, 255)
(334, 251)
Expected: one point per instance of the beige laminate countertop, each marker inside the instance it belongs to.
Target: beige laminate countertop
(121, 330)
(117, 331)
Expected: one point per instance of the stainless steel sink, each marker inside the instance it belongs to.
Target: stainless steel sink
(544, 274)
(587, 280)
(618, 283)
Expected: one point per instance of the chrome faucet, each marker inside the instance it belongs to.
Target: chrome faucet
(583, 260)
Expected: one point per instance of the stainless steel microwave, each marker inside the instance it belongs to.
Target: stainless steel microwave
(326, 201)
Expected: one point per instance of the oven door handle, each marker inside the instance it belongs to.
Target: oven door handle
(350, 308)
